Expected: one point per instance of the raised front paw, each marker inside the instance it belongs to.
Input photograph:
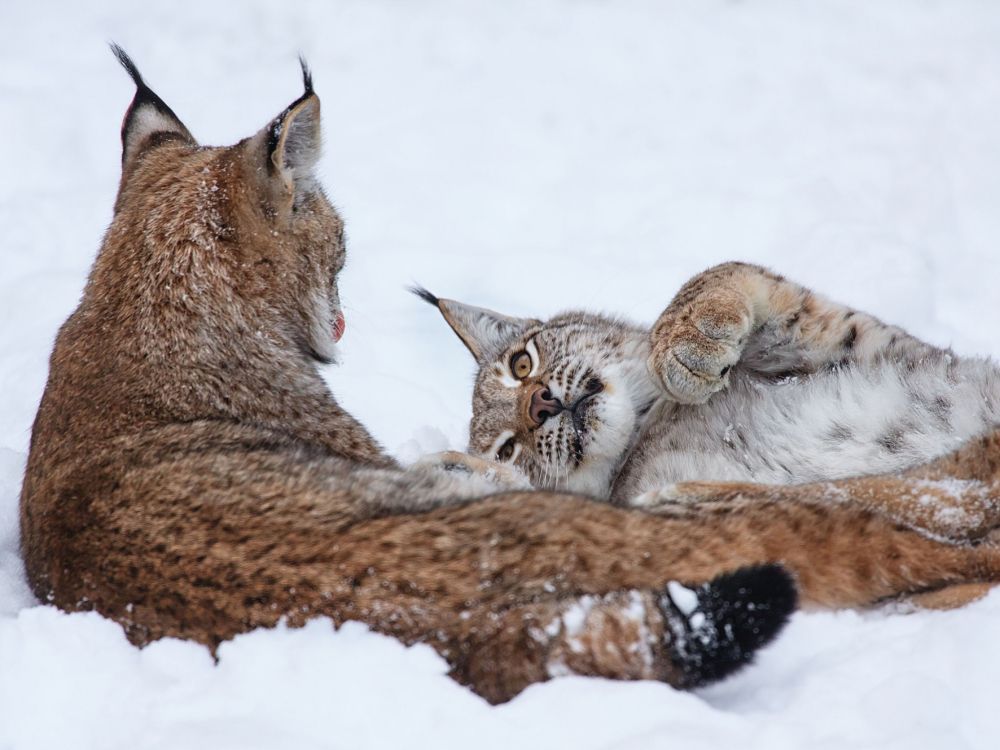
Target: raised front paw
(694, 348)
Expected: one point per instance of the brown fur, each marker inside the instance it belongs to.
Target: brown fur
(190, 474)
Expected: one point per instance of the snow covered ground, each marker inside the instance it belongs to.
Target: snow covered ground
(621, 148)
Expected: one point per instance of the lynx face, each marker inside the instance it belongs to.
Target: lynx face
(562, 400)
(316, 252)
(248, 220)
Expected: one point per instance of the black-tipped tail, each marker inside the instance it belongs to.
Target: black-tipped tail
(425, 295)
(734, 615)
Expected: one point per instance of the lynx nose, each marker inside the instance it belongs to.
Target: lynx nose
(543, 405)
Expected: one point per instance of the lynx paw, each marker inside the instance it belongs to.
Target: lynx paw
(501, 476)
(692, 354)
(666, 500)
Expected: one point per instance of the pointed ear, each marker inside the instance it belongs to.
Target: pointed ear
(149, 121)
(484, 332)
(289, 145)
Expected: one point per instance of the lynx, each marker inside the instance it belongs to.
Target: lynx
(191, 475)
(749, 390)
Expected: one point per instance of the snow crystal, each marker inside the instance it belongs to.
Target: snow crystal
(686, 599)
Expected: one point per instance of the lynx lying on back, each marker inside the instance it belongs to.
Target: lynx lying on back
(745, 377)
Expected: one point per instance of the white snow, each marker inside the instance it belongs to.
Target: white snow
(685, 599)
(529, 157)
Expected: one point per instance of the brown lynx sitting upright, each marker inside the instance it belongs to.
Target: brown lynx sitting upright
(190, 474)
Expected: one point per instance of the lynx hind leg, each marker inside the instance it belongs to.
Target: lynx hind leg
(684, 637)
(945, 508)
(950, 597)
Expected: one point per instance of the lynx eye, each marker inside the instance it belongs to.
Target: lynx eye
(506, 451)
(520, 365)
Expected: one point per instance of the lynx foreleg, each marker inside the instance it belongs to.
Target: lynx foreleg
(741, 314)
(435, 481)
(950, 597)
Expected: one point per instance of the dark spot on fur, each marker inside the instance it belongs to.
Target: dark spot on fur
(850, 338)
(940, 407)
(893, 440)
(839, 433)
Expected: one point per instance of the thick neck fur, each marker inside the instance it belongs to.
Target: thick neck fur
(201, 274)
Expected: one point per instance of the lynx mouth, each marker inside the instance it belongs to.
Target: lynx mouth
(581, 411)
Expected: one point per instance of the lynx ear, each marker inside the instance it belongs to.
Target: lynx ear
(149, 121)
(290, 144)
(484, 332)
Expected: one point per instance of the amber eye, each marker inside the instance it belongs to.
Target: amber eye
(520, 365)
(506, 450)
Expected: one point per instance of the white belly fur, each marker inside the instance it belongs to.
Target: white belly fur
(842, 422)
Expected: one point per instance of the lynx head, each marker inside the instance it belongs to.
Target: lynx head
(236, 242)
(563, 400)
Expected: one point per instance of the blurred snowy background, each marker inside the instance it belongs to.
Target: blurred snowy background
(853, 146)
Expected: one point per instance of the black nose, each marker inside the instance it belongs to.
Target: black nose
(543, 405)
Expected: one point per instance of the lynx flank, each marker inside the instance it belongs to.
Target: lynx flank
(745, 378)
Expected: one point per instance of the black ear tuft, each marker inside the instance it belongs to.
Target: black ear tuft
(292, 140)
(147, 115)
(485, 333)
(424, 295)
(734, 616)
(127, 63)
(307, 76)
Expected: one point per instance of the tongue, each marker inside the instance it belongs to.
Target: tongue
(339, 324)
